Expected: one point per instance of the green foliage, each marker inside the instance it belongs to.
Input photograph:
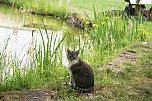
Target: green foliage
(113, 32)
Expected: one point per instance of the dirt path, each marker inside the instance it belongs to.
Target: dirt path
(129, 56)
(31, 95)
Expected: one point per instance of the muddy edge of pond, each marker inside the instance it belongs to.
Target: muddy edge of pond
(73, 19)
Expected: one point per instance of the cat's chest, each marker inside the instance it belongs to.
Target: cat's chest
(71, 63)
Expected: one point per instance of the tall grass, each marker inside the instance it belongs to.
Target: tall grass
(111, 33)
(45, 68)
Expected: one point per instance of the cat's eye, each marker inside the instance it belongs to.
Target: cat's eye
(77, 52)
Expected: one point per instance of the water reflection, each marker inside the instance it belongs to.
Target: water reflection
(11, 17)
(17, 27)
(22, 43)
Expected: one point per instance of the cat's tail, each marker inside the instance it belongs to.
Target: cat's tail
(84, 90)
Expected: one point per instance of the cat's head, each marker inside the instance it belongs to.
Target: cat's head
(72, 55)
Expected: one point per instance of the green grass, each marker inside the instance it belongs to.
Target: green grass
(133, 84)
(149, 31)
(49, 73)
(80, 6)
(105, 40)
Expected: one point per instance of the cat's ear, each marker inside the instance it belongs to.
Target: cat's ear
(68, 50)
(77, 51)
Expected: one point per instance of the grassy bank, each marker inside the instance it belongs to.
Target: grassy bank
(61, 8)
(80, 6)
(56, 8)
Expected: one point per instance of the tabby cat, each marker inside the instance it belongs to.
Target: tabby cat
(81, 74)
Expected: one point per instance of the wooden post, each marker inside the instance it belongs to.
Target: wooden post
(137, 7)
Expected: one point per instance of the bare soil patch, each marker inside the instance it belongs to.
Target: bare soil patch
(31, 95)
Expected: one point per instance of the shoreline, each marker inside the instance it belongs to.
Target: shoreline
(72, 19)
(36, 11)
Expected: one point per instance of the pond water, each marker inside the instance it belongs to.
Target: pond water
(21, 31)
(20, 43)
(12, 17)
(20, 36)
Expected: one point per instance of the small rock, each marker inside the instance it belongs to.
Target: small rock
(146, 44)
(110, 63)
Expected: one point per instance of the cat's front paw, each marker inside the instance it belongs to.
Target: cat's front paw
(72, 85)
(66, 83)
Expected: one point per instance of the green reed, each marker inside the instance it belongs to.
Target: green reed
(113, 32)
(44, 70)
(11, 76)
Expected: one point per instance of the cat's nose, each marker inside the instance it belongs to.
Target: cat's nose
(73, 58)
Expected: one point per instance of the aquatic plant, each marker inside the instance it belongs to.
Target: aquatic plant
(43, 69)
